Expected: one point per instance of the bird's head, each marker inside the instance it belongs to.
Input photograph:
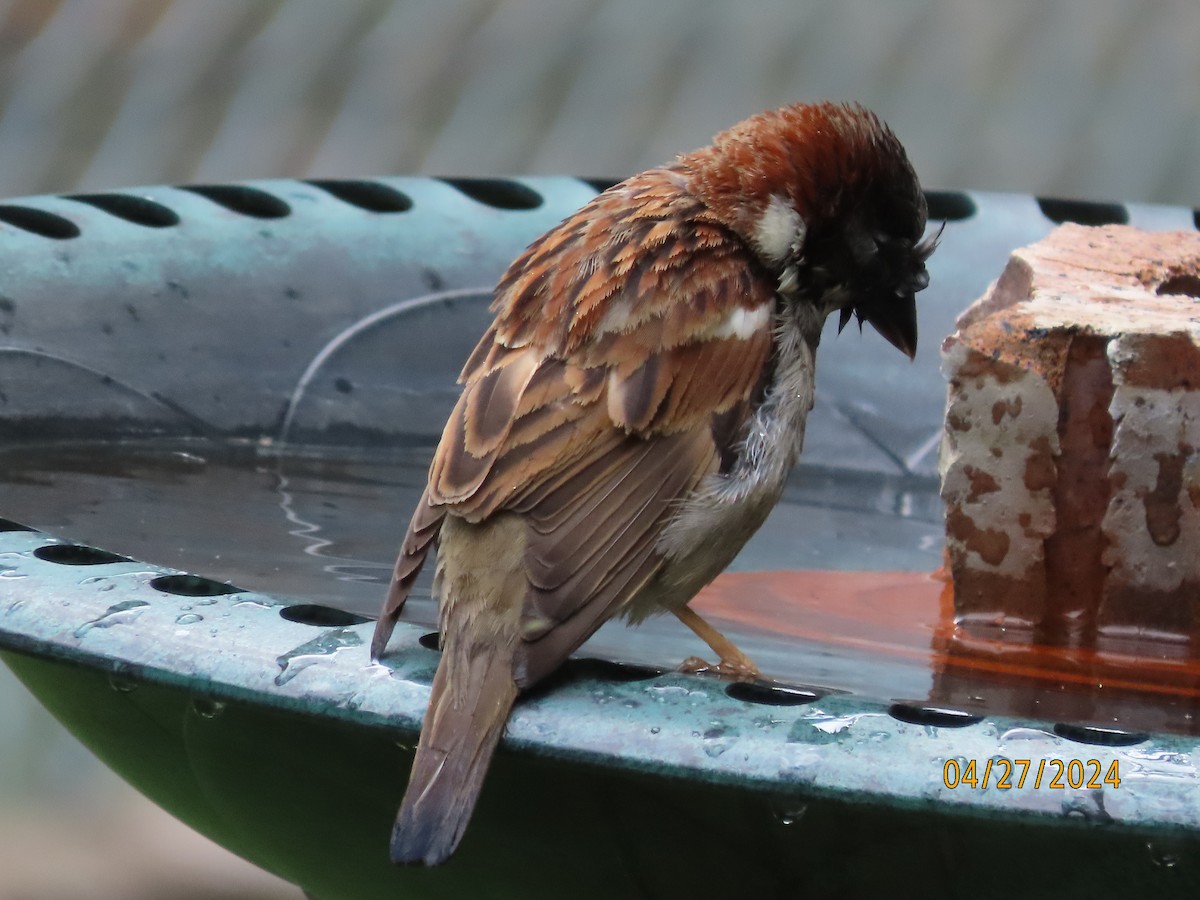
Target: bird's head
(826, 196)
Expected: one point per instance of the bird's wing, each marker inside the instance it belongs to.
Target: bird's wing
(626, 356)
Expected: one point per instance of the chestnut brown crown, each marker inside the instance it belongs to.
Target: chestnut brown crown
(857, 212)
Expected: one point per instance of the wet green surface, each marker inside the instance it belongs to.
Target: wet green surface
(312, 800)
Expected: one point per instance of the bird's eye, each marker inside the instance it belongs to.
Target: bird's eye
(863, 246)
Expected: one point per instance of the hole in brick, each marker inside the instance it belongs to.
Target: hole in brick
(77, 555)
(39, 222)
(1083, 212)
(496, 192)
(937, 716)
(324, 616)
(1186, 284)
(138, 210)
(192, 586)
(768, 694)
(369, 195)
(1103, 737)
(239, 198)
(949, 206)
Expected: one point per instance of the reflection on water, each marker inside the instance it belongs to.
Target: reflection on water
(834, 592)
(317, 528)
(325, 527)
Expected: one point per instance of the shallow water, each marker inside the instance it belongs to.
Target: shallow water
(325, 525)
(322, 526)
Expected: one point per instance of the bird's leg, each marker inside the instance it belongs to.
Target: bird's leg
(734, 663)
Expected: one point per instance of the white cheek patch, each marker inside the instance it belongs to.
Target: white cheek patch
(779, 230)
(744, 323)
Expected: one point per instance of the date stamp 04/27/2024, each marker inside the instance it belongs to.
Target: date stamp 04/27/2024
(1004, 774)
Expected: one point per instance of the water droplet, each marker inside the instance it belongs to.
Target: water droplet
(1158, 765)
(189, 619)
(662, 691)
(1028, 734)
(818, 727)
(838, 724)
(121, 685)
(790, 813)
(767, 723)
(718, 738)
(252, 604)
(667, 693)
(112, 577)
(206, 601)
(207, 708)
(654, 729)
(1165, 853)
(10, 572)
(118, 614)
(317, 650)
(1087, 805)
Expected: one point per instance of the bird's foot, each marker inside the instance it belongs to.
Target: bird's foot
(735, 669)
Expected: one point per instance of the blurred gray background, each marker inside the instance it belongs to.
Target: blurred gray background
(1085, 98)
(1096, 99)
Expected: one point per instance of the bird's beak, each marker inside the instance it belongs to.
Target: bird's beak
(897, 322)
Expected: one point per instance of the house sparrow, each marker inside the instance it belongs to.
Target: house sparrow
(630, 417)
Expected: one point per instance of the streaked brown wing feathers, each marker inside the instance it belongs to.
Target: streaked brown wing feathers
(603, 393)
(625, 495)
(477, 428)
(422, 531)
(584, 570)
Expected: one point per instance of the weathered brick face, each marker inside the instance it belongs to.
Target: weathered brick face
(1070, 461)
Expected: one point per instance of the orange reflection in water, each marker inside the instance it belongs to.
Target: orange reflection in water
(907, 618)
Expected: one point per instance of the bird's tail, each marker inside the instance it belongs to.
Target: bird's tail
(473, 692)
